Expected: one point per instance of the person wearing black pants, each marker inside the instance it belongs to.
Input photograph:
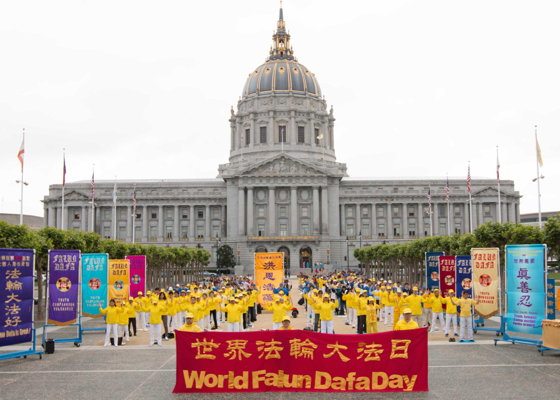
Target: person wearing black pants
(362, 317)
(214, 314)
(162, 299)
(131, 309)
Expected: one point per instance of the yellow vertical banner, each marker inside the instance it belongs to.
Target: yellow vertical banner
(119, 280)
(269, 274)
(486, 280)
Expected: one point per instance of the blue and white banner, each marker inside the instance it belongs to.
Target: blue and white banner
(550, 300)
(432, 269)
(94, 283)
(463, 264)
(526, 294)
(16, 295)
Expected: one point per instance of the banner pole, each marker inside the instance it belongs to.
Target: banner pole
(499, 194)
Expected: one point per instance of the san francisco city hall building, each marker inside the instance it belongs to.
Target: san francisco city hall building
(283, 189)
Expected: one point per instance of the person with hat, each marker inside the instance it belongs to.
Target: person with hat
(350, 299)
(361, 312)
(428, 314)
(123, 323)
(140, 315)
(189, 325)
(450, 313)
(371, 315)
(278, 311)
(112, 321)
(233, 315)
(407, 323)
(400, 305)
(155, 310)
(437, 302)
(286, 324)
(466, 314)
(390, 302)
(325, 310)
(132, 310)
(415, 304)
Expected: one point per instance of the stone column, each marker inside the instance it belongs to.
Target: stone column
(480, 213)
(474, 216)
(250, 212)
(390, 221)
(65, 219)
(325, 209)
(271, 212)
(311, 125)
(293, 130)
(270, 129)
(241, 210)
(466, 217)
(160, 224)
(358, 220)
(316, 227)
(374, 221)
(192, 224)
(405, 234)
(58, 217)
(223, 222)
(435, 220)
(517, 213)
(252, 132)
(504, 212)
(83, 218)
(52, 220)
(144, 223)
(207, 230)
(511, 212)
(129, 226)
(176, 223)
(343, 217)
(294, 212)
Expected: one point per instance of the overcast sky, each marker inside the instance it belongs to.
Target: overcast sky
(143, 89)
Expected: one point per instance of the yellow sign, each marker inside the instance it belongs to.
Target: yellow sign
(119, 280)
(485, 280)
(269, 274)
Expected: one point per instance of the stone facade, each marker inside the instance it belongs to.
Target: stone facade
(282, 189)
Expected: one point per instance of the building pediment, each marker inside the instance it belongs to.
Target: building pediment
(283, 165)
(488, 191)
(73, 195)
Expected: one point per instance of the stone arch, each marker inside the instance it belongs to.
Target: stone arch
(306, 256)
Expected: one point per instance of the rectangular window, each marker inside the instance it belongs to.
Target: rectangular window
(122, 232)
(261, 212)
(169, 232)
(137, 233)
(365, 212)
(305, 229)
(200, 232)
(76, 215)
(305, 212)
(261, 230)
(365, 230)
(301, 134)
(107, 214)
(442, 229)
(138, 214)
(122, 215)
(185, 213)
(411, 212)
(168, 213)
(263, 134)
(184, 232)
(216, 231)
(282, 134)
(106, 232)
(395, 211)
(349, 212)
(426, 229)
(397, 230)
(153, 232)
(457, 228)
(154, 215)
(247, 137)
(381, 230)
(442, 210)
(283, 229)
(215, 213)
(457, 211)
(380, 212)
(316, 136)
(486, 211)
(283, 212)
(200, 213)
(350, 230)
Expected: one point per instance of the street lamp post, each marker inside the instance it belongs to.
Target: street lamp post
(360, 248)
(218, 254)
(348, 253)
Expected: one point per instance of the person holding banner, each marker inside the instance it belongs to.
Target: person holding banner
(466, 314)
(189, 325)
(286, 325)
(112, 322)
(451, 313)
(326, 309)
(407, 323)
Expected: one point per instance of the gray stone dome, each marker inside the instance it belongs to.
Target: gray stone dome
(281, 76)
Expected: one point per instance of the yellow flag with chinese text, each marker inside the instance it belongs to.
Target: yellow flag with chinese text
(269, 273)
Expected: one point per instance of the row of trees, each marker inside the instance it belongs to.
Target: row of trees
(405, 261)
(166, 265)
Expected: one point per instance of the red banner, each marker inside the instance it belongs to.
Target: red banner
(301, 361)
(447, 274)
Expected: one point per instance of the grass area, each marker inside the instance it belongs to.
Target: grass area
(555, 275)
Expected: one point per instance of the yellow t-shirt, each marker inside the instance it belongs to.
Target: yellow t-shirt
(465, 304)
(403, 326)
(190, 328)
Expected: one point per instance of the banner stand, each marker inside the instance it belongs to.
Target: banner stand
(515, 339)
(33, 350)
(77, 340)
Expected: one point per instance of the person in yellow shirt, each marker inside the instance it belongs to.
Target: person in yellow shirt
(189, 326)
(406, 323)
(123, 323)
(428, 315)
(206, 312)
(182, 302)
(112, 322)
(390, 305)
(140, 315)
(156, 310)
(383, 295)
(172, 310)
(213, 304)
(350, 298)
(466, 314)
(233, 315)
(371, 315)
(450, 312)
(437, 308)
(361, 303)
(132, 310)
(400, 305)
(278, 311)
(415, 304)
(326, 309)
(286, 325)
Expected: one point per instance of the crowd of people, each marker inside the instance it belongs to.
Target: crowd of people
(363, 301)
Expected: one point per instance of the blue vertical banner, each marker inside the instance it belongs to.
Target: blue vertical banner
(94, 283)
(526, 294)
(432, 269)
(464, 275)
(550, 300)
(16, 295)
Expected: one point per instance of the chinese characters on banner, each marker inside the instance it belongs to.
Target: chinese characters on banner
(550, 303)
(463, 266)
(269, 274)
(64, 273)
(119, 280)
(447, 274)
(432, 269)
(16, 296)
(301, 361)
(526, 295)
(94, 283)
(137, 275)
(486, 282)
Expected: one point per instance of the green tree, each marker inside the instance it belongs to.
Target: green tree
(226, 257)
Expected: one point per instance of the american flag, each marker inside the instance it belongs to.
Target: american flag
(92, 185)
(447, 189)
(429, 198)
(469, 180)
(64, 170)
(134, 200)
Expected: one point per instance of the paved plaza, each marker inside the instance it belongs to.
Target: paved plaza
(135, 371)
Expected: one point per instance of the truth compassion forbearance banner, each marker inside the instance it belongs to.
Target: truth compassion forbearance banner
(301, 361)
(64, 274)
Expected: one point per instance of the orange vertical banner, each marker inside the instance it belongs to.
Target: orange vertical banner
(119, 280)
(486, 280)
(269, 273)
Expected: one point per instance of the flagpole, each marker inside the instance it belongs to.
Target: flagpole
(499, 194)
(134, 215)
(63, 184)
(448, 211)
(538, 178)
(93, 201)
(470, 199)
(21, 205)
(430, 209)
(115, 210)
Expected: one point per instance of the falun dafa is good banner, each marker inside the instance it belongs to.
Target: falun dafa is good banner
(269, 273)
